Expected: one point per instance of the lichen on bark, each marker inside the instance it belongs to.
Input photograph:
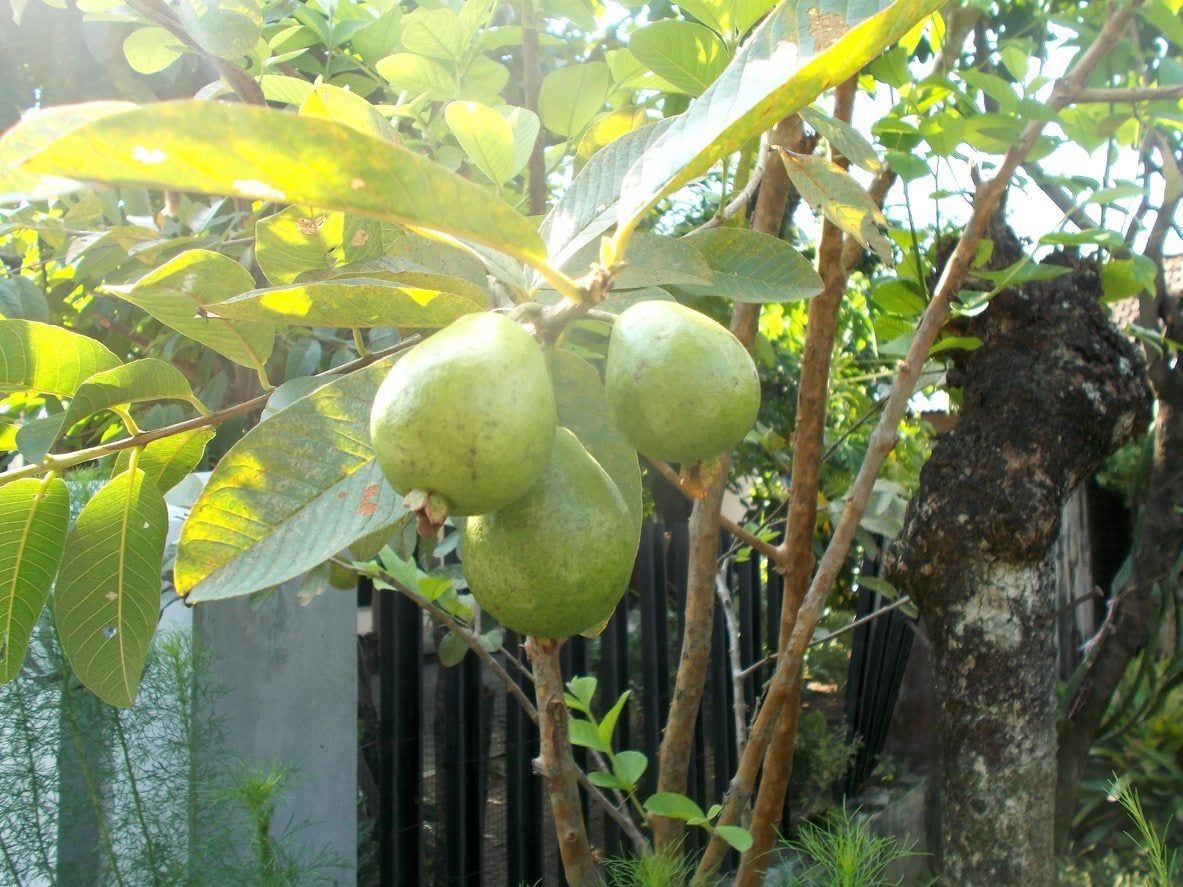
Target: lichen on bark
(1051, 391)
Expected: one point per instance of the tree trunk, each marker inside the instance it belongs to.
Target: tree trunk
(1051, 391)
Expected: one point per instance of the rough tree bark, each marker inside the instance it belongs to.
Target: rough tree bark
(1052, 390)
(1158, 541)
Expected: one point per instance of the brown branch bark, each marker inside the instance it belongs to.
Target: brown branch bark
(987, 198)
(677, 741)
(1060, 197)
(796, 552)
(1130, 94)
(556, 766)
(531, 84)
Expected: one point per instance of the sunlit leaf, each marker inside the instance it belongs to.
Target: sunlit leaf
(149, 50)
(297, 489)
(417, 75)
(486, 137)
(167, 461)
(326, 102)
(352, 302)
(48, 359)
(832, 191)
(224, 28)
(684, 54)
(140, 381)
(264, 154)
(798, 52)
(570, 97)
(177, 292)
(844, 137)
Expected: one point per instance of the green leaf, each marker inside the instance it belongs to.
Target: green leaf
(589, 207)
(583, 733)
(524, 125)
(295, 241)
(570, 97)
(831, 190)
(451, 650)
(107, 599)
(285, 89)
(21, 299)
(149, 50)
(294, 491)
(801, 50)
(140, 381)
(630, 767)
(264, 154)
(1023, 271)
(48, 359)
(686, 55)
(750, 266)
(1100, 236)
(896, 296)
(1122, 278)
(353, 302)
(227, 29)
(177, 292)
(654, 260)
(417, 75)
(604, 780)
(325, 102)
(844, 137)
(36, 437)
(726, 17)
(35, 131)
(673, 806)
(486, 137)
(879, 586)
(168, 461)
(583, 688)
(737, 837)
(436, 33)
(582, 404)
(34, 515)
(608, 724)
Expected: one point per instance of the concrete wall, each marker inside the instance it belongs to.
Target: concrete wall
(290, 678)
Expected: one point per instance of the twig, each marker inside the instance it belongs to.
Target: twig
(473, 643)
(57, 463)
(531, 84)
(1127, 94)
(1060, 197)
(744, 196)
(745, 536)
(739, 705)
(788, 667)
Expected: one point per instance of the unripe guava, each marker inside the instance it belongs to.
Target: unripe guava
(467, 415)
(682, 388)
(556, 561)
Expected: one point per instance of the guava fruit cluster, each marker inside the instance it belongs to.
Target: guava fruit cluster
(466, 424)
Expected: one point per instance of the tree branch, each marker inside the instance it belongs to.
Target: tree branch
(556, 766)
(1128, 94)
(1060, 197)
(788, 668)
(678, 740)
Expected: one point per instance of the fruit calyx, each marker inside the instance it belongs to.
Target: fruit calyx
(430, 510)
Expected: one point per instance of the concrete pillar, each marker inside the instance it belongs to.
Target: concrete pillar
(289, 676)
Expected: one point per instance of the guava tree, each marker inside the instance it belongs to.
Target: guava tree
(358, 176)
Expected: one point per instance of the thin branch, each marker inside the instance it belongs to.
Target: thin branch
(745, 536)
(738, 703)
(1106, 95)
(988, 196)
(1059, 196)
(68, 460)
(744, 196)
(556, 766)
(470, 639)
(531, 85)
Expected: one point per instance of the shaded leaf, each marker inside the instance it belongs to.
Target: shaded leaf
(48, 359)
(845, 138)
(294, 491)
(107, 599)
(653, 260)
(34, 515)
(451, 650)
(750, 266)
(36, 437)
(264, 154)
(630, 767)
(833, 192)
(352, 302)
(583, 733)
(737, 837)
(21, 299)
(177, 292)
(800, 50)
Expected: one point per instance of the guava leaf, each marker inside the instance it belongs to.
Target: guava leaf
(169, 460)
(295, 490)
(48, 359)
(750, 266)
(34, 515)
(139, 381)
(107, 600)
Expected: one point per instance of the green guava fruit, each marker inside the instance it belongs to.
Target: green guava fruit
(556, 561)
(681, 387)
(467, 416)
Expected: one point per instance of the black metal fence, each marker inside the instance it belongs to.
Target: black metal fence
(458, 802)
